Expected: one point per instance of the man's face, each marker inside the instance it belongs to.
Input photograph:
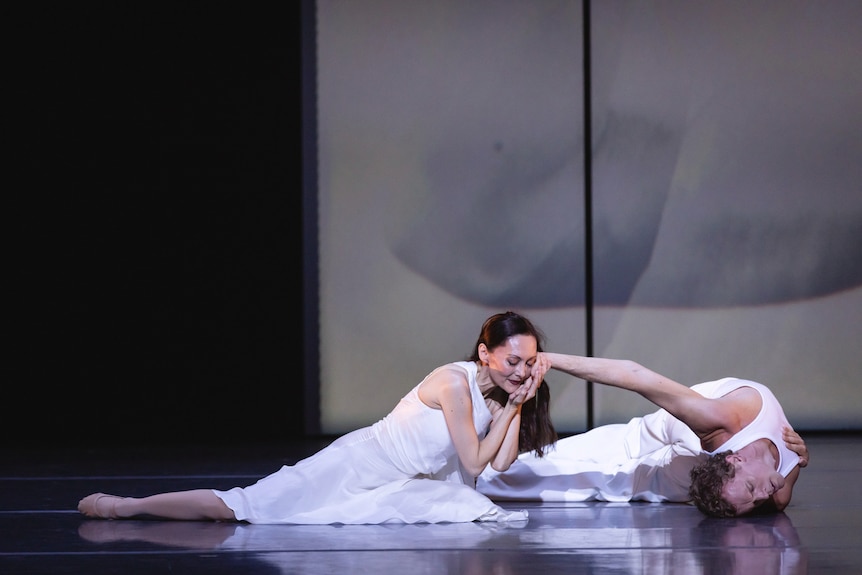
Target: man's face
(753, 484)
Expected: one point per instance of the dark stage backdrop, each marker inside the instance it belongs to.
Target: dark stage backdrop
(154, 225)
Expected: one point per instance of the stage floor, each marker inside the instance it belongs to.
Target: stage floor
(41, 531)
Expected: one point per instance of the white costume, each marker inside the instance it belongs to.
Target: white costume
(647, 459)
(404, 468)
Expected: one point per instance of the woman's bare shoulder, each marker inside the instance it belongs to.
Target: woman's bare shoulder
(447, 379)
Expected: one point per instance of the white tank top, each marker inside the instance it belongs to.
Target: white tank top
(767, 425)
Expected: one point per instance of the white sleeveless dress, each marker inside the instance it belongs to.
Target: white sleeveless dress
(647, 459)
(403, 469)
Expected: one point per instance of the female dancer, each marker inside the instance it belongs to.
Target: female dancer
(417, 464)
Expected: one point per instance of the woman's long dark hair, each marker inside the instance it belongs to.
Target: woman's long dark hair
(537, 429)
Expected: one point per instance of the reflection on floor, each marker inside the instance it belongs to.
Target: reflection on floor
(40, 531)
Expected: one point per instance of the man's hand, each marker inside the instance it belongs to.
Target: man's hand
(527, 390)
(794, 443)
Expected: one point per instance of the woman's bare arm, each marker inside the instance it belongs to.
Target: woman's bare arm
(449, 390)
(510, 448)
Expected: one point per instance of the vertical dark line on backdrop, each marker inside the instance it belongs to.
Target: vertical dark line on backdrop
(588, 206)
(310, 284)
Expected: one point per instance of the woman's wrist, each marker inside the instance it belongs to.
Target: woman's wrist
(512, 408)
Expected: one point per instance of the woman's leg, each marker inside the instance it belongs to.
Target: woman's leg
(193, 505)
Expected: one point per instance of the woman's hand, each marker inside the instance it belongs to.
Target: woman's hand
(794, 443)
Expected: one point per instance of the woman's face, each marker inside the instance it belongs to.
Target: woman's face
(510, 364)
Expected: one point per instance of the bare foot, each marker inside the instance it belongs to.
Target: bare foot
(99, 506)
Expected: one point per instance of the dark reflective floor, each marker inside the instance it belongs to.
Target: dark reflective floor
(40, 531)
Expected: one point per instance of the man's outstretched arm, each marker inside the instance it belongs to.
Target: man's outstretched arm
(701, 414)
